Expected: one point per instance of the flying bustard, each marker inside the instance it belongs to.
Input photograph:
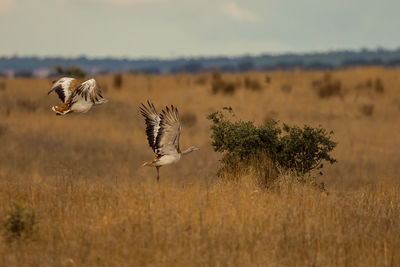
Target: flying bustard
(163, 132)
(76, 98)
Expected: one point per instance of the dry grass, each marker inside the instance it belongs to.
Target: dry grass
(125, 222)
(94, 205)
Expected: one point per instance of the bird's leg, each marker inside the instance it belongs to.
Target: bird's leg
(158, 173)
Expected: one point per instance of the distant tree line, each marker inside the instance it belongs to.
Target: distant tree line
(26, 66)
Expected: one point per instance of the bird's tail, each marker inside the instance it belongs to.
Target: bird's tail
(150, 162)
(101, 101)
(147, 163)
(61, 110)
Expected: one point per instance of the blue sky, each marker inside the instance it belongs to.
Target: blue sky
(172, 28)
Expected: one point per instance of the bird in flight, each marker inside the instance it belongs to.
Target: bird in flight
(76, 98)
(163, 131)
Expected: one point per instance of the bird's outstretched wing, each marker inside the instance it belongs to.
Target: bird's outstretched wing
(167, 141)
(152, 120)
(64, 88)
(88, 91)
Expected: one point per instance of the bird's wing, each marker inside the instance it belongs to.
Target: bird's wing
(152, 123)
(167, 141)
(88, 91)
(64, 88)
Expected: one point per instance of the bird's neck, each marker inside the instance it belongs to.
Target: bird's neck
(187, 151)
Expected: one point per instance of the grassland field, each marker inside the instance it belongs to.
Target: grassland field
(94, 205)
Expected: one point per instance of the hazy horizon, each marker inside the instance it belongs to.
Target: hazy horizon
(232, 56)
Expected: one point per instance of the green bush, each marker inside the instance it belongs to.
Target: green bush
(220, 85)
(379, 88)
(18, 221)
(118, 80)
(73, 71)
(188, 119)
(327, 87)
(291, 148)
(252, 84)
(367, 110)
(3, 129)
(3, 85)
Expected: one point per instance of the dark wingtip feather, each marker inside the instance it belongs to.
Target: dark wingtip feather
(143, 110)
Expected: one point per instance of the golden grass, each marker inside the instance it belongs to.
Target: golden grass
(95, 206)
(123, 222)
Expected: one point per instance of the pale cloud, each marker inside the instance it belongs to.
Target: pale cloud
(238, 13)
(6, 5)
(129, 2)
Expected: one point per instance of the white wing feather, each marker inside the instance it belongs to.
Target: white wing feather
(88, 91)
(163, 130)
(63, 88)
(167, 141)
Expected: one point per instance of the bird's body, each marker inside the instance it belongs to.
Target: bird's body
(163, 131)
(159, 161)
(76, 98)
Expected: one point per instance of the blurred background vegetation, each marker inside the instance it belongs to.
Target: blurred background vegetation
(50, 66)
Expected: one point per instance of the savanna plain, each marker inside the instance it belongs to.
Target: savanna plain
(73, 192)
